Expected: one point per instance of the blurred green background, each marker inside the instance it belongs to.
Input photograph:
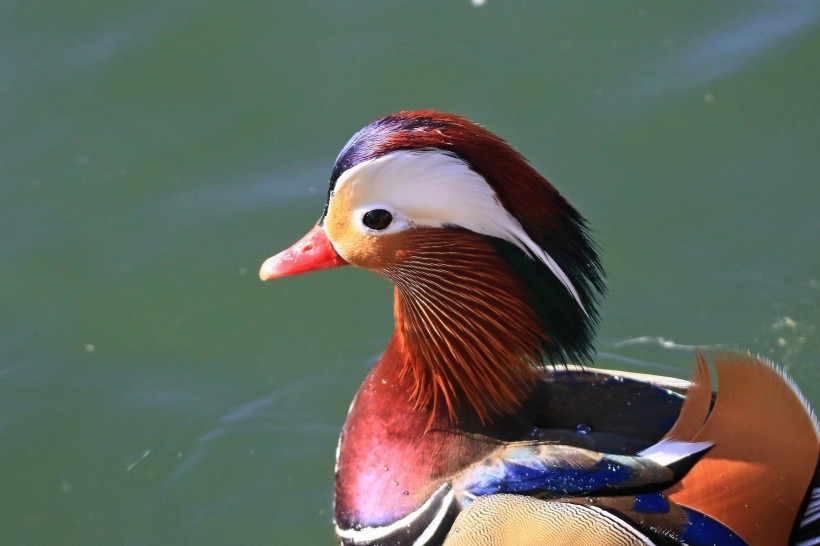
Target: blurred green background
(153, 154)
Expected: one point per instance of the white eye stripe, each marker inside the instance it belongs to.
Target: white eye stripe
(436, 189)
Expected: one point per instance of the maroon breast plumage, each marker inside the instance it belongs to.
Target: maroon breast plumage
(481, 390)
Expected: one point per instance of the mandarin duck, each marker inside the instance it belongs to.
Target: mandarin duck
(482, 422)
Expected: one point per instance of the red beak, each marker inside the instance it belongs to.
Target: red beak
(312, 252)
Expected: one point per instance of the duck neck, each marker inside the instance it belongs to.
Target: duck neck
(466, 337)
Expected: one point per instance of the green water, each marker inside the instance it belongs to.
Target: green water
(152, 154)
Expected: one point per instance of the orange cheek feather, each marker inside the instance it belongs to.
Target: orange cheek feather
(374, 252)
(371, 252)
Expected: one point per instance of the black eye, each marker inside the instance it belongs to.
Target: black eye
(377, 219)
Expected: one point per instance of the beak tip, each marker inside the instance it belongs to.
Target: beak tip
(267, 271)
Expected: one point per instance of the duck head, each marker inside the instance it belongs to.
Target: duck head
(495, 271)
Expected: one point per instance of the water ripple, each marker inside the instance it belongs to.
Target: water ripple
(734, 46)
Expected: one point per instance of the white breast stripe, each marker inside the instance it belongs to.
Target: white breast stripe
(367, 535)
(434, 188)
(618, 522)
(432, 529)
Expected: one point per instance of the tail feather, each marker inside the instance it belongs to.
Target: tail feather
(677, 455)
(766, 450)
(697, 404)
